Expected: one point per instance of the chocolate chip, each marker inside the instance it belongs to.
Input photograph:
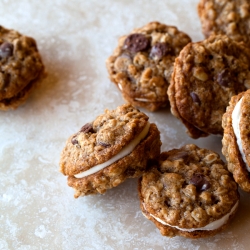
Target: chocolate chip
(200, 182)
(130, 172)
(195, 98)
(104, 144)
(87, 128)
(180, 155)
(74, 141)
(136, 42)
(159, 50)
(224, 78)
(6, 50)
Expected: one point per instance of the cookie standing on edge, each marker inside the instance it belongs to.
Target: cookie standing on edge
(227, 17)
(104, 153)
(189, 193)
(142, 64)
(21, 68)
(206, 75)
(236, 141)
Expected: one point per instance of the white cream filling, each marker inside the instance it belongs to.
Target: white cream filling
(211, 226)
(120, 86)
(125, 151)
(236, 116)
(142, 100)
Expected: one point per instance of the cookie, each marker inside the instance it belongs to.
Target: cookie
(226, 17)
(21, 68)
(115, 146)
(189, 192)
(142, 64)
(235, 142)
(206, 75)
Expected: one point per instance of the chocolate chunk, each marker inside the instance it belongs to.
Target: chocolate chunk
(130, 172)
(200, 182)
(159, 50)
(195, 98)
(224, 78)
(87, 128)
(74, 141)
(136, 42)
(104, 144)
(6, 50)
(180, 155)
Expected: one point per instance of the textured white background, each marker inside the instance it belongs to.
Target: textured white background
(37, 208)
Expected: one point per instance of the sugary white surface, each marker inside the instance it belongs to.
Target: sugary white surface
(37, 208)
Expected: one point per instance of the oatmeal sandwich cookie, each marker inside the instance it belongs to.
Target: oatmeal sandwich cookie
(21, 68)
(206, 75)
(105, 152)
(141, 65)
(189, 193)
(227, 17)
(236, 139)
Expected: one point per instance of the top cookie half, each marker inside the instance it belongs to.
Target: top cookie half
(101, 139)
(206, 75)
(141, 65)
(228, 17)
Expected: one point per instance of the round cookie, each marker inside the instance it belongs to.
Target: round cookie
(227, 17)
(142, 64)
(21, 68)
(104, 153)
(189, 192)
(206, 75)
(235, 142)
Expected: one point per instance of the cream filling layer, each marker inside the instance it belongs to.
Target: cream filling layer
(211, 226)
(142, 100)
(236, 116)
(125, 151)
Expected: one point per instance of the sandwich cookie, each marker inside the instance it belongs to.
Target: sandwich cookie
(206, 75)
(142, 64)
(189, 193)
(236, 140)
(230, 17)
(105, 152)
(21, 68)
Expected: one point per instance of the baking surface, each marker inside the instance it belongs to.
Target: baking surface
(37, 208)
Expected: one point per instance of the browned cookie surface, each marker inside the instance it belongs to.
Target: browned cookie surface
(188, 188)
(228, 17)
(236, 162)
(104, 138)
(142, 64)
(206, 75)
(21, 67)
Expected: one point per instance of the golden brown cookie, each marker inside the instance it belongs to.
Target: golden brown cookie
(21, 68)
(189, 192)
(206, 75)
(105, 152)
(142, 64)
(236, 140)
(226, 17)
